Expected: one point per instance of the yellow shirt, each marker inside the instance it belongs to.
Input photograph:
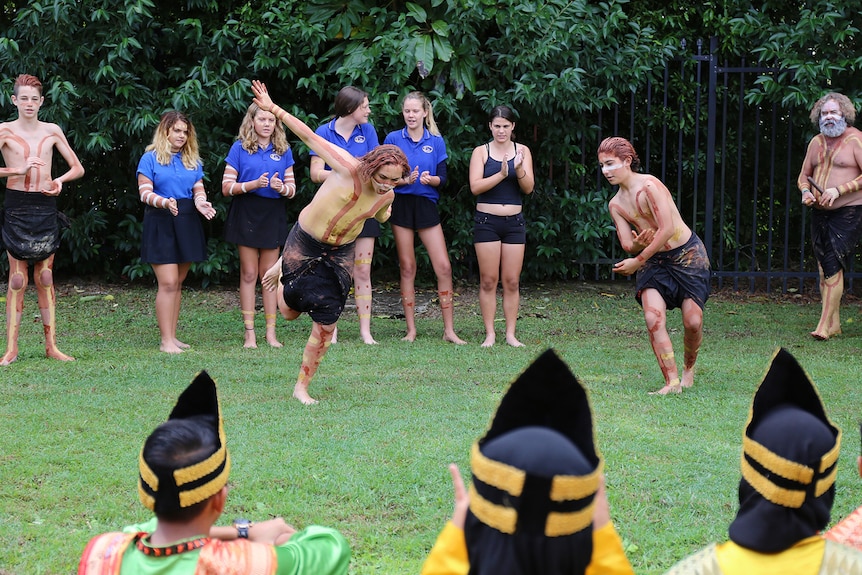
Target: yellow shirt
(449, 554)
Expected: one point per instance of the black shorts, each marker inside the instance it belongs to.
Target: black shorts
(256, 222)
(505, 229)
(414, 212)
(371, 229)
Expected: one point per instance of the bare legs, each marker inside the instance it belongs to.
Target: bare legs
(317, 344)
(362, 286)
(655, 314)
(254, 263)
(170, 279)
(497, 260)
(14, 307)
(315, 349)
(434, 242)
(831, 290)
(43, 278)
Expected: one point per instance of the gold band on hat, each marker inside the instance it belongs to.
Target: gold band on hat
(505, 519)
(791, 470)
(511, 479)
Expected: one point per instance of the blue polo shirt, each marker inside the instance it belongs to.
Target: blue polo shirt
(251, 166)
(171, 181)
(427, 153)
(361, 141)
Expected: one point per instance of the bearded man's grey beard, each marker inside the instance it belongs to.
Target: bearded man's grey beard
(836, 129)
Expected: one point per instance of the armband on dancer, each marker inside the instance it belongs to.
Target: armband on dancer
(149, 197)
(200, 194)
(853, 185)
(288, 187)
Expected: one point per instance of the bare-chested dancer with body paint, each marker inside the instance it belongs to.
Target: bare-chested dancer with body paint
(314, 273)
(670, 260)
(833, 166)
(31, 232)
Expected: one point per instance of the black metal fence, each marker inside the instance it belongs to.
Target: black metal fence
(732, 166)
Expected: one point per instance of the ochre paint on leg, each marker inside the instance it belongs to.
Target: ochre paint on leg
(271, 338)
(315, 348)
(408, 303)
(446, 309)
(14, 308)
(692, 319)
(655, 316)
(831, 291)
(249, 337)
(363, 293)
(43, 277)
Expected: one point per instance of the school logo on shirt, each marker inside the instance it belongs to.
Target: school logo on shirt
(428, 149)
(275, 157)
(359, 139)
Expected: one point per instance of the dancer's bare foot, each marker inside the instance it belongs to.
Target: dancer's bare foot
(180, 344)
(490, 340)
(452, 338)
(170, 348)
(513, 341)
(411, 336)
(250, 339)
(823, 335)
(301, 393)
(673, 387)
(687, 378)
(58, 355)
(367, 339)
(8, 358)
(273, 341)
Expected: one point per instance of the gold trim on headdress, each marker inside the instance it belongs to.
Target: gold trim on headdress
(505, 519)
(207, 490)
(775, 391)
(201, 393)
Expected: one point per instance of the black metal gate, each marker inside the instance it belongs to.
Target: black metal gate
(732, 166)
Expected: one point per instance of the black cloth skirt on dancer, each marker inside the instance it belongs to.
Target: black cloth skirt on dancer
(677, 274)
(256, 222)
(31, 225)
(834, 234)
(316, 276)
(169, 239)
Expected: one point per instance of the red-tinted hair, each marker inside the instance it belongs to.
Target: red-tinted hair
(27, 80)
(384, 155)
(621, 148)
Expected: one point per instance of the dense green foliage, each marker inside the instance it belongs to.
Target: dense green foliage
(567, 67)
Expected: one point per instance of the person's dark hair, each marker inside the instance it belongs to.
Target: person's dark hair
(347, 100)
(502, 111)
(175, 444)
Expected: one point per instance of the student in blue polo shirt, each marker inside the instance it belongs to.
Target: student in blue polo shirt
(171, 185)
(258, 176)
(415, 210)
(349, 129)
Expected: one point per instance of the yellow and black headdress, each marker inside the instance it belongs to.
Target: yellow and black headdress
(185, 460)
(536, 471)
(789, 461)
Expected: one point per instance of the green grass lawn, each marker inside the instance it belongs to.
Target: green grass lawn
(370, 459)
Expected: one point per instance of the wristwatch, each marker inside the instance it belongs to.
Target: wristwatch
(242, 527)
